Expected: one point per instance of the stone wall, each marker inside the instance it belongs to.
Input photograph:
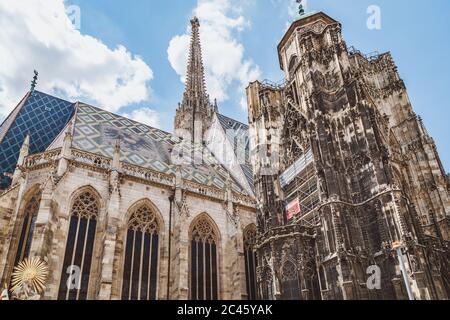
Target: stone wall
(379, 177)
(116, 197)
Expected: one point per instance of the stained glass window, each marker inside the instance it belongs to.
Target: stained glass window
(79, 248)
(204, 285)
(267, 284)
(141, 256)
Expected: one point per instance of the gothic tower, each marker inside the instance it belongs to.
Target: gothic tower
(194, 114)
(343, 170)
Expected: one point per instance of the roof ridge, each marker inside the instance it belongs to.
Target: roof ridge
(240, 122)
(154, 153)
(51, 95)
(5, 125)
(122, 116)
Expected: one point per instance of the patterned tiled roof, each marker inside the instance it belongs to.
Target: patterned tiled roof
(237, 131)
(10, 119)
(97, 131)
(43, 117)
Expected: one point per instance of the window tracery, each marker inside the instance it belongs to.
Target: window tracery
(140, 278)
(77, 263)
(204, 261)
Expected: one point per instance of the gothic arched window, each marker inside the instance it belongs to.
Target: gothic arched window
(141, 256)
(329, 231)
(204, 284)
(292, 64)
(267, 284)
(290, 283)
(250, 261)
(323, 278)
(26, 235)
(79, 248)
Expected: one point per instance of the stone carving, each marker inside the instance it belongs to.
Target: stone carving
(85, 206)
(347, 116)
(317, 28)
(203, 231)
(144, 219)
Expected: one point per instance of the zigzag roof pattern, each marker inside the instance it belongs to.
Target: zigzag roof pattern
(40, 115)
(97, 131)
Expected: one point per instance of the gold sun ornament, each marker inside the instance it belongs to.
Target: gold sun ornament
(29, 277)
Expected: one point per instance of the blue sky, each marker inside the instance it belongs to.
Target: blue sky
(416, 33)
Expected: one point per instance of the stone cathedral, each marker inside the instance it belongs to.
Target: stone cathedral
(332, 170)
(120, 210)
(344, 169)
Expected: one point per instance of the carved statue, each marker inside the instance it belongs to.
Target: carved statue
(301, 9)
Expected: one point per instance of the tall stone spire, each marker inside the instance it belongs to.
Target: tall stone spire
(195, 76)
(194, 114)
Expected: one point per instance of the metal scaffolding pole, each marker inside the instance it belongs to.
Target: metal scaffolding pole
(398, 247)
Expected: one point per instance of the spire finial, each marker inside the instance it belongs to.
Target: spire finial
(195, 23)
(195, 77)
(301, 9)
(195, 112)
(34, 81)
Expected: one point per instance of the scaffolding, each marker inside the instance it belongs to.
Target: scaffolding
(279, 85)
(369, 56)
(300, 182)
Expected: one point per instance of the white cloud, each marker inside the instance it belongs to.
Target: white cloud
(289, 9)
(39, 35)
(221, 22)
(146, 116)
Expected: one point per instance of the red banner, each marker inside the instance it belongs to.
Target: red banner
(293, 209)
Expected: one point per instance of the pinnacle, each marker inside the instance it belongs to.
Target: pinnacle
(195, 23)
(195, 77)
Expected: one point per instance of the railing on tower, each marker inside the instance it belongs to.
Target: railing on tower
(368, 56)
(273, 85)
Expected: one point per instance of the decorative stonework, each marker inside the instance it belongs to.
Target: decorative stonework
(317, 28)
(250, 237)
(85, 206)
(203, 231)
(95, 172)
(144, 219)
(194, 114)
(365, 184)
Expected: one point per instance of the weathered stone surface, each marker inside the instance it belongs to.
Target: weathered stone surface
(50, 235)
(375, 175)
(61, 174)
